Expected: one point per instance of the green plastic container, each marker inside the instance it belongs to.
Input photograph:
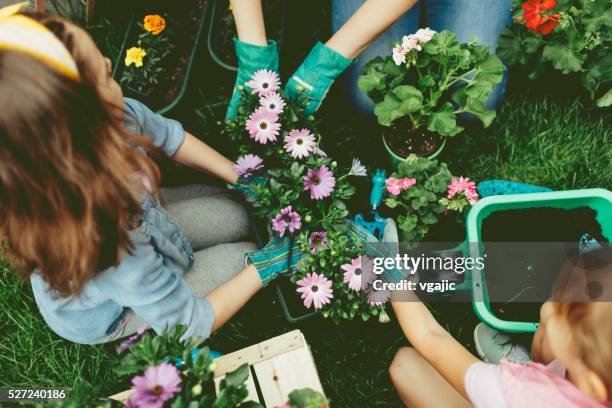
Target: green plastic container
(395, 159)
(600, 200)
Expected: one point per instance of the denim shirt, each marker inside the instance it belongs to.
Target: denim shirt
(148, 281)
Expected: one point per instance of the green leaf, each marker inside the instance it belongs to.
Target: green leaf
(238, 376)
(476, 107)
(371, 80)
(411, 98)
(605, 100)
(563, 57)
(491, 70)
(444, 121)
(387, 110)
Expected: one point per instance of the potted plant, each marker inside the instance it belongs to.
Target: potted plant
(300, 192)
(421, 88)
(569, 36)
(421, 191)
(158, 51)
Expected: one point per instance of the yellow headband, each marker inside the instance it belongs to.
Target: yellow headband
(21, 33)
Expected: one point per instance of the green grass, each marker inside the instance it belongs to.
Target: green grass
(547, 140)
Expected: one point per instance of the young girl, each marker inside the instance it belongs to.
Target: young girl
(78, 209)
(571, 347)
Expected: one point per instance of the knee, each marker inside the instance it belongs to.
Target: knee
(399, 368)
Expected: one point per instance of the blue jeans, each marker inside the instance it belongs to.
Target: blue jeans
(485, 19)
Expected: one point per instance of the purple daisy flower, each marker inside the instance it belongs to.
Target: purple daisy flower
(299, 143)
(318, 241)
(248, 164)
(287, 219)
(126, 344)
(320, 182)
(158, 385)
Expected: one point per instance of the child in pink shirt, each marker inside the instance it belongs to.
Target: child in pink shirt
(572, 349)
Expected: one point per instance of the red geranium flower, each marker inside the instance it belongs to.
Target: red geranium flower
(535, 21)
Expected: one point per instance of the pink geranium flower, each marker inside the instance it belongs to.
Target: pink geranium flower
(248, 164)
(315, 289)
(318, 241)
(299, 143)
(273, 102)
(287, 219)
(158, 384)
(263, 82)
(395, 186)
(320, 182)
(263, 125)
(409, 42)
(399, 54)
(463, 185)
(406, 183)
(424, 35)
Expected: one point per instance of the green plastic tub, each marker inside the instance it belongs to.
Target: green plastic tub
(599, 200)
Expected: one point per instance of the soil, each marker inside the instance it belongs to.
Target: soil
(419, 141)
(183, 19)
(223, 30)
(520, 277)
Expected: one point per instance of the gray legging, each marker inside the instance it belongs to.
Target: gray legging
(216, 225)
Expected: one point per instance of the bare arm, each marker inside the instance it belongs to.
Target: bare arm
(434, 343)
(372, 18)
(249, 19)
(198, 155)
(230, 297)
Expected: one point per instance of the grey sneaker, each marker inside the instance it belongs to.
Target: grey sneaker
(493, 346)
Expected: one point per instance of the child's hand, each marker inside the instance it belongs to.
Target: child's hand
(245, 187)
(251, 58)
(278, 258)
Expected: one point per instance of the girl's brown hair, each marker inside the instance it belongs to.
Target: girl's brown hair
(68, 191)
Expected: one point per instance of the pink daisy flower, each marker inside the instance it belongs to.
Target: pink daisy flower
(158, 384)
(378, 297)
(315, 289)
(263, 82)
(273, 102)
(463, 185)
(299, 143)
(320, 182)
(318, 241)
(248, 164)
(358, 273)
(263, 125)
(393, 186)
(319, 152)
(132, 340)
(287, 219)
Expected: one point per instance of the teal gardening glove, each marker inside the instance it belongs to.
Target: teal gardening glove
(278, 258)
(251, 58)
(245, 184)
(312, 80)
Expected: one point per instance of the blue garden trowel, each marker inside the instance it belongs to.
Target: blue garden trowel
(373, 222)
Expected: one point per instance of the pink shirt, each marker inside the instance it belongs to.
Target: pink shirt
(511, 385)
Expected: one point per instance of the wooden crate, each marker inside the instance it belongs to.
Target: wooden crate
(278, 366)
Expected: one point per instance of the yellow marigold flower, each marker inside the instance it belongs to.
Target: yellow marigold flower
(134, 56)
(154, 23)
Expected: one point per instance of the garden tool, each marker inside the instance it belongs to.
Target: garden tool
(374, 223)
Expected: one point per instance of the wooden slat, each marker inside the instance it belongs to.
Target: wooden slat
(260, 352)
(280, 375)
